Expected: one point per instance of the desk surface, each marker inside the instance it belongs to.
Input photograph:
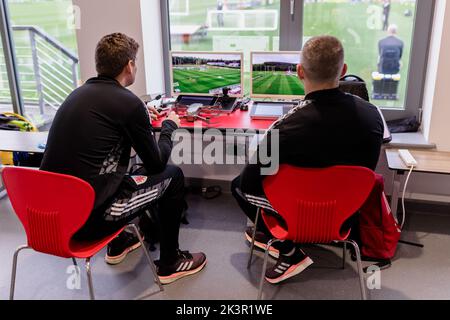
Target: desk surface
(22, 141)
(236, 120)
(429, 161)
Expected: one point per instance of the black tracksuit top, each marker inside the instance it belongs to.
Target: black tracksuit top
(331, 128)
(93, 133)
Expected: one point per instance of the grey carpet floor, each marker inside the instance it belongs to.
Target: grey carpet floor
(217, 228)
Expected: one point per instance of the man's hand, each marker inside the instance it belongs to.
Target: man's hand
(175, 118)
(154, 114)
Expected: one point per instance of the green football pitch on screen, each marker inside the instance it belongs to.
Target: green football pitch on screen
(275, 74)
(206, 73)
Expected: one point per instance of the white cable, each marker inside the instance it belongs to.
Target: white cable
(403, 197)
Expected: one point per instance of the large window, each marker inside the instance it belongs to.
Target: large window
(382, 38)
(45, 49)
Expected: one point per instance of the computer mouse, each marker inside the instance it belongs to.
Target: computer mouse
(42, 146)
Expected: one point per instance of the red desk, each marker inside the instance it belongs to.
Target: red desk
(236, 120)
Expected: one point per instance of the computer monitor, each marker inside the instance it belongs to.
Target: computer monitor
(274, 75)
(206, 73)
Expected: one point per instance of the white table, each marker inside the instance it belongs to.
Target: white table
(16, 141)
(429, 161)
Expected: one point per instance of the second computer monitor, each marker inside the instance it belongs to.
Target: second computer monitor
(274, 75)
(203, 73)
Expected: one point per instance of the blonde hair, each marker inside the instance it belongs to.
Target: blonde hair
(323, 59)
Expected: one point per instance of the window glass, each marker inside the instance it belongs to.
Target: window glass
(46, 50)
(377, 37)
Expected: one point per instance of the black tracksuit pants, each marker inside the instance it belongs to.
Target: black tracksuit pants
(135, 194)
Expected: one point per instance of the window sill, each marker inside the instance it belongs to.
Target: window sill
(414, 140)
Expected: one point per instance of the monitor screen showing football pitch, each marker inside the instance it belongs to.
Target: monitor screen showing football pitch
(274, 75)
(206, 73)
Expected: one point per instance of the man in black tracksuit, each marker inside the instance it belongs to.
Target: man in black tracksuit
(329, 128)
(390, 51)
(91, 138)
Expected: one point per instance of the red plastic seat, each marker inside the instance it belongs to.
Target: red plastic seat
(314, 204)
(52, 208)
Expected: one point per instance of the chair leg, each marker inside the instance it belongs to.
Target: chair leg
(149, 259)
(266, 257)
(75, 262)
(14, 270)
(252, 247)
(89, 276)
(360, 269)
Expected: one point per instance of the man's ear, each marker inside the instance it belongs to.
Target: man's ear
(130, 66)
(300, 72)
(344, 70)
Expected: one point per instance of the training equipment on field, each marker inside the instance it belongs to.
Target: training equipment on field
(385, 86)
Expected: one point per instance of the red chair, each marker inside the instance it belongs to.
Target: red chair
(314, 204)
(52, 208)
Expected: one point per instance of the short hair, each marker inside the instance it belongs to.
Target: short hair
(323, 59)
(393, 29)
(113, 53)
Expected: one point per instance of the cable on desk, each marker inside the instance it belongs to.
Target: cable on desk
(403, 197)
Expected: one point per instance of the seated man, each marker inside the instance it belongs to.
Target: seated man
(91, 138)
(329, 128)
(391, 52)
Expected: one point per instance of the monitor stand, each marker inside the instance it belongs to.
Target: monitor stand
(227, 104)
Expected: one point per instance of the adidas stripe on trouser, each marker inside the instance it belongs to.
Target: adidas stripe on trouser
(133, 196)
(249, 204)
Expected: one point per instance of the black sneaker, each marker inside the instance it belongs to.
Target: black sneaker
(120, 247)
(287, 267)
(187, 264)
(261, 241)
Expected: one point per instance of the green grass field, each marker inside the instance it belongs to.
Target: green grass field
(51, 16)
(277, 83)
(359, 28)
(202, 81)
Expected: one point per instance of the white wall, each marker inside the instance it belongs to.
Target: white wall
(102, 17)
(437, 96)
(433, 65)
(153, 49)
(436, 116)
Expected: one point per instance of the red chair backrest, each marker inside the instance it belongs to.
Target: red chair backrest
(316, 202)
(52, 207)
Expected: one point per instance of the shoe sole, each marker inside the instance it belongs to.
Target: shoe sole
(118, 259)
(179, 275)
(292, 271)
(274, 253)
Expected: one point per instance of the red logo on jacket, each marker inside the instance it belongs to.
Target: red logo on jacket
(139, 179)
